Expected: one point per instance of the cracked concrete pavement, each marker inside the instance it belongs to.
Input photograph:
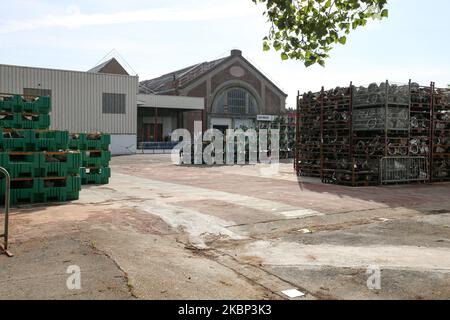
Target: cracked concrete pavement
(160, 231)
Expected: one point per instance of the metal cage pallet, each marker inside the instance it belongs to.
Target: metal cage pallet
(347, 135)
(440, 139)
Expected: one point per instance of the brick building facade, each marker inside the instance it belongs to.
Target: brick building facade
(235, 92)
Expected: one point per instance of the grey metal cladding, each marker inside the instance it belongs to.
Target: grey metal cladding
(114, 103)
(77, 104)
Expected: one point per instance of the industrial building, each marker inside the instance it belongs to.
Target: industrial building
(225, 93)
(234, 92)
(159, 116)
(82, 101)
(103, 99)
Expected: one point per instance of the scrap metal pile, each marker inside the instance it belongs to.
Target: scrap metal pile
(285, 123)
(383, 133)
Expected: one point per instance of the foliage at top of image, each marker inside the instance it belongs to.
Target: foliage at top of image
(306, 29)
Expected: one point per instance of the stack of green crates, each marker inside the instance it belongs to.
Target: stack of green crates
(42, 168)
(94, 148)
(18, 113)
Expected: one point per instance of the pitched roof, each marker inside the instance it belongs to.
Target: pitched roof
(169, 82)
(111, 66)
(179, 78)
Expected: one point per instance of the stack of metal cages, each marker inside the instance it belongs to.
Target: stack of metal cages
(363, 136)
(287, 134)
(440, 157)
(381, 116)
(285, 123)
(420, 121)
(308, 154)
(337, 162)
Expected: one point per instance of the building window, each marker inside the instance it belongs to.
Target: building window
(114, 103)
(33, 93)
(235, 101)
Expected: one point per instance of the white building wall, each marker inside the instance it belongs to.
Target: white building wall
(170, 102)
(123, 144)
(77, 98)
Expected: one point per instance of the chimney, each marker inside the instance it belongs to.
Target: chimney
(236, 52)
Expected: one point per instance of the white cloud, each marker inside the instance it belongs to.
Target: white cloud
(74, 18)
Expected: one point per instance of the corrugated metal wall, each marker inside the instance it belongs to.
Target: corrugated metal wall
(77, 97)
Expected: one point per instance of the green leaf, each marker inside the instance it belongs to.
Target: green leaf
(306, 29)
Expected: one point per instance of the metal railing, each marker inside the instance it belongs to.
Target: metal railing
(404, 170)
(157, 147)
(4, 246)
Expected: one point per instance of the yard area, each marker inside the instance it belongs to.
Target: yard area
(160, 231)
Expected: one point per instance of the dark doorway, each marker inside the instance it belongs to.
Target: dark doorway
(150, 133)
(222, 129)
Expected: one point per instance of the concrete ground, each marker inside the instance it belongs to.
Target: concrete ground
(160, 231)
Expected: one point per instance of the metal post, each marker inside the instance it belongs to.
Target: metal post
(432, 132)
(351, 150)
(386, 127)
(4, 246)
(297, 135)
(322, 94)
(155, 129)
(409, 118)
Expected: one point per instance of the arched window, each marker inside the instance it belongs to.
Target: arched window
(235, 101)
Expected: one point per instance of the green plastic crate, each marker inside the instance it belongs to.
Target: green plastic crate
(40, 105)
(42, 190)
(22, 165)
(50, 140)
(7, 120)
(89, 141)
(41, 165)
(95, 176)
(76, 141)
(97, 142)
(17, 104)
(60, 164)
(33, 140)
(96, 159)
(6, 104)
(16, 140)
(29, 121)
(24, 121)
(60, 189)
(22, 192)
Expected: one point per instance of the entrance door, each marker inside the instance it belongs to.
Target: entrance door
(222, 129)
(150, 134)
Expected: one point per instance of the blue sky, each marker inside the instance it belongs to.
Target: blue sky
(157, 37)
